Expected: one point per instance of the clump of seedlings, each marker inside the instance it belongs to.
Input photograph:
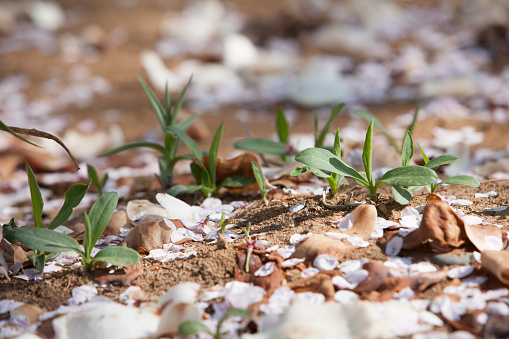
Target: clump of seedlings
(168, 122)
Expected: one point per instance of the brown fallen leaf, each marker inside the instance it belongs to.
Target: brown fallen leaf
(378, 274)
(417, 283)
(118, 220)
(31, 312)
(440, 224)
(319, 283)
(477, 234)
(149, 235)
(269, 283)
(124, 276)
(497, 263)
(496, 327)
(364, 221)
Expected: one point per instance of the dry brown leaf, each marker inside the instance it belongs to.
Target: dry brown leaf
(124, 276)
(118, 220)
(364, 221)
(31, 312)
(269, 283)
(497, 263)
(149, 235)
(317, 244)
(153, 211)
(319, 283)
(440, 224)
(477, 234)
(417, 283)
(378, 274)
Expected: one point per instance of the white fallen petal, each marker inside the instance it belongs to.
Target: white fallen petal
(325, 262)
(346, 223)
(185, 292)
(405, 294)
(8, 305)
(356, 277)
(297, 238)
(292, 262)
(106, 321)
(176, 208)
(496, 209)
(286, 251)
(498, 308)
(472, 219)
(356, 241)
(460, 271)
(350, 266)
(265, 270)
(241, 295)
(342, 283)
(394, 246)
(422, 267)
(310, 297)
(492, 243)
(309, 272)
(82, 294)
(298, 207)
(486, 195)
(461, 202)
(346, 297)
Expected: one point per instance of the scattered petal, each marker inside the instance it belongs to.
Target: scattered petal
(265, 270)
(325, 262)
(394, 246)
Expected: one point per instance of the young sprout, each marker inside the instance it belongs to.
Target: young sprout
(250, 245)
(261, 183)
(94, 178)
(221, 239)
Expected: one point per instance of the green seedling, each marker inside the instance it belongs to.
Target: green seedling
(205, 174)
(192, 327)
(73, 197)
(250, 245)
(334, 179)
(94, 178)
(261, 183)
(446, 159)
(370, 117)
(402, 176)
(168, 120)
(282, 147)
(49, 241)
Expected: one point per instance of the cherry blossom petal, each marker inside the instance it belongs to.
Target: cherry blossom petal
(265, 270)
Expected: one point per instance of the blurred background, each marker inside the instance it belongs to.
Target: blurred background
(69, 68)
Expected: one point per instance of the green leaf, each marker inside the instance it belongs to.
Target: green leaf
(184, 125)
(135, 144)
(180, 101)
(414, 119)
(237, 181)
(92, 174)
(334, 112)
(441, 160)
(88, 245)
(370, 117)
(6, 128)
(409, 176)
(100, 214)
(282, 126)
(160, 111)
(401, 195)
(263, 146)
(73, 197)
(407, 150)
(213, 153)
(300, 170)
(316, 157)
(190, 143)
(424, 156)
(192, 327)
(258, 175)
(118, 256)
(462, 180)
(42, 239)
(336, 149)
(36, 196)
(367, 156)
(174, 190)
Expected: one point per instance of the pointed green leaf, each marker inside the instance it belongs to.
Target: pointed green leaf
(176, 189)
(88, 245)
(213, 153)
(263, 146)
(424, 156)
(94, 177)
(282, 126)
(180, 101)
(441, 160)
(184, 125)
(36, 196)
(414, 119)
(258, 175)
(367, 156)
(402, 195)
(161, 113)
(316, 157)
(167, 100)
(300, 170)
(462, 180)
(407, 150)
(73, 197)
(334, 112)
(192, 327)
(118, 256)
(43, 239)
(232, 312)
(100, 214)
(370, 117)
(336, 149)
(409, 176)
(135, 144)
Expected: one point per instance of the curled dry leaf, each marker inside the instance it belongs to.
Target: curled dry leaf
(497, 262)
(378, 274)
(148, 235)
(124, 276)
(442, 225)
(319, 283)
(477, 234)
(363, 225)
